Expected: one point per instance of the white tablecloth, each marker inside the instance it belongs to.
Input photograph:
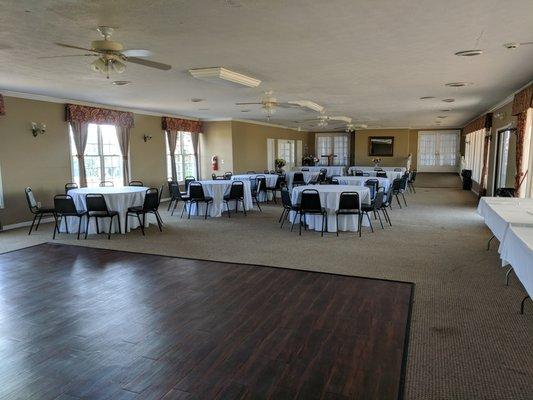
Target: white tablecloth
(117, 199)
(308, 177)
(360, 181)
(370, 169)
(271, 180)
(517, 250)
(217, 189)
(501, 212)
(332, 170)
(391, 175)
(329, 197)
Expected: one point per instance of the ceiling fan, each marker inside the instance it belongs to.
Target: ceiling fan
(111, 55)
(269, 104)
(324, 120)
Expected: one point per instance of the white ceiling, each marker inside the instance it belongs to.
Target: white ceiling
(369, 60)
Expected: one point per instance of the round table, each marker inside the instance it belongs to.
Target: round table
(117, 199)
(217, 189)
(271, 180)
(329, 197)
(331, 170)
(360, 181)
(308, 176)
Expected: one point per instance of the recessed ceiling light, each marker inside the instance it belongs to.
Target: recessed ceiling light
(442, 116)
(427, 97)
(448, 100)
(197, 100)
(121, 83)
(469, 53)
(458, 84)
(511, 46)
(446, 110)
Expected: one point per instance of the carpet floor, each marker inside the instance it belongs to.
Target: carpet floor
(467, 338)
(438, 180)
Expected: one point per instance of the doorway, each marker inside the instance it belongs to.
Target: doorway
(438, 151)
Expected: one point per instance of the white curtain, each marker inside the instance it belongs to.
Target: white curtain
(123, 137)
(80, 133)
(172, 139)
(194, 140)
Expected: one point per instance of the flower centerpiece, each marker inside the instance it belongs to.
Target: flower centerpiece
(279, 163)
(310, 160)
(376, 162)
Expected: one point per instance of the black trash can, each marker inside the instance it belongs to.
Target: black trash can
(467, 179)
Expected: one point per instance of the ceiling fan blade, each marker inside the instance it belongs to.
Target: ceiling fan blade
(247, 104)
(341, 118)
(137, 53)
(68, 46)
(525, 43)
(72, 55)
(288, 105)
(148, 63)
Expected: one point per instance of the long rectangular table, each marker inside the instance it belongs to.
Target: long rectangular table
(517, 250)
(501, 212)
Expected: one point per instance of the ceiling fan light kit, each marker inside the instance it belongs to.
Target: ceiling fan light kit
(223, 75)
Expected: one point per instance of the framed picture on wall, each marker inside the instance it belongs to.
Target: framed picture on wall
(381, 146)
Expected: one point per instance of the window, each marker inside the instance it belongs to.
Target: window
(184, 157)
(474, 153)
(338, 145)
(103, 158)
(287, 151)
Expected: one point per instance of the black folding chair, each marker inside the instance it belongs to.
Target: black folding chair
(136, 183)
(97, 208)
(38, 212)
(150, 206)
(197, 196)
(236, 193)
(298, 179)
(288, 207)
(106, 184)
(310, 204)
(69, 186)
(64, 207)
(349, 204)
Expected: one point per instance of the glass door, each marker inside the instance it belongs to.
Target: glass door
(438, 151)
(502, 158)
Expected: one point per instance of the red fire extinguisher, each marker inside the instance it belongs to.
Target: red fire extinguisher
(214, 163)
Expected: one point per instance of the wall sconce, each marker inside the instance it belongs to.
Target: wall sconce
(147, 137)
(38, 128)
(500, 115)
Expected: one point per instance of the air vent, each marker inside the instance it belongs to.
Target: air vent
(427, 97)
(458, 84)
(448, 100)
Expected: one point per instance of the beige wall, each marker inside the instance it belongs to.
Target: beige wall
(44, 162)
(401, 146)
(216, 139)
(250, 144)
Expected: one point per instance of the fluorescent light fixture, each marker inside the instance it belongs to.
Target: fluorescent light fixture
(308, 104)
(216, 74)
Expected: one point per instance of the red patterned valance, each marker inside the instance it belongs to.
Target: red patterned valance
(523, 100)
(2, 106)
(95, 115)
(178, 124)
(485, 121)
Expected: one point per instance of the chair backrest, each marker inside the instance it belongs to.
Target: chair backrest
(403, 182)
(310, 200)
(286, 198)
(95, 202)
(298, 177)
(378, 199)
(64, 204)
(136, 183)
(30, 198)
(349, 201)
(196, 191)
(381, 174)
(334, 181)
(106, 184)
(378, 169)
(70, 185)
(272, 172)
(358, 172)
(213, 176)
(228, 175)
(321, 176)
(151, 199)
(413, 176)
(396, 185)
(373, 185)
(237, 190)
(188, 180)
(305, 169)
(397, 169)
(261, 183)
(174, 189)
(266, 171)
(505, 192)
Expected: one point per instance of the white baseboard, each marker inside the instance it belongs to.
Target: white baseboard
(25, 223)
